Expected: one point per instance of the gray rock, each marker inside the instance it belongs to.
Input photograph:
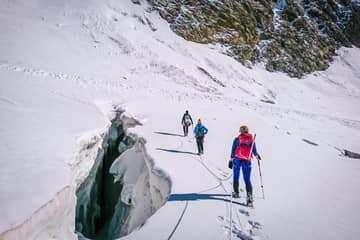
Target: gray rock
(299, 38)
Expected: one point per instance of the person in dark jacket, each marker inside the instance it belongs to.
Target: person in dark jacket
(200, 131)
(241, 153)
(186, 121)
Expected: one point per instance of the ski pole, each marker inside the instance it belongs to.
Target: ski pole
(261, 182)
(262, 185)
(231, 201)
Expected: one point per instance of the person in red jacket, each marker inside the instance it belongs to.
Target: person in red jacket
(241, 153)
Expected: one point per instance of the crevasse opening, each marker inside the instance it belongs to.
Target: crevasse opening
(123, 188)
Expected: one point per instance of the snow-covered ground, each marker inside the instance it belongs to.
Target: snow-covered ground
(64, 64)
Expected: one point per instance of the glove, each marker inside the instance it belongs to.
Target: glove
(258, 157)
(230, 164)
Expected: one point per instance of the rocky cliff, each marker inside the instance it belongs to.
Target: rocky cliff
(292, 36)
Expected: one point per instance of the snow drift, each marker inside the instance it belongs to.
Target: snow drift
(44, 222)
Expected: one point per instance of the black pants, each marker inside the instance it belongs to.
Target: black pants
(186, 129)
(200, 144)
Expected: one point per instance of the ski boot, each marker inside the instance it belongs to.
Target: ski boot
(249, 202)
(249, 196)
(235, 193)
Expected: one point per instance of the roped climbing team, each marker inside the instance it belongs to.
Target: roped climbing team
(242, 150)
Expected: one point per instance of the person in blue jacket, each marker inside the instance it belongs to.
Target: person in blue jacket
(243, 148)
(200, 131)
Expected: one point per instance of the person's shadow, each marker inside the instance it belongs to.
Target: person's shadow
(169, 134)
(202, 196)
(175, 151)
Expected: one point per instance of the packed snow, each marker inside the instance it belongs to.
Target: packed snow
(64, 67)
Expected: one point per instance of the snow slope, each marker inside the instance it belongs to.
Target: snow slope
(63, 64)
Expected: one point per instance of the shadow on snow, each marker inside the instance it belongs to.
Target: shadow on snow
(198, 196)
(175, 151)
(169, 134)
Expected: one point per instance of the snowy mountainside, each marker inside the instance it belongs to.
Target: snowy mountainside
(65, 64)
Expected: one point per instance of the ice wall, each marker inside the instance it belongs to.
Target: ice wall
(116, 184)
(123, 187)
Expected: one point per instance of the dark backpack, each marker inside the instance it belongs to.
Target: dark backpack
(200, 132)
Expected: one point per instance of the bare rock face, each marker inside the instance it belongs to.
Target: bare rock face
(352, 21)
(230, 23)
(296, 47)
(292, 36)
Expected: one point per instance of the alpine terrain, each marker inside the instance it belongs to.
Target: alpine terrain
(121, 119)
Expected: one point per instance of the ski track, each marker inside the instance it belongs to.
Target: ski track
(61, 76)
(220, 184)
(283, 111)
(241, 228)
(238, 227)
(179, 220)
(185, 205)
(101, 32)
(181, 78)
(7, 100)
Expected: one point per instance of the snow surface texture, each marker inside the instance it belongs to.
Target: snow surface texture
(63, 64)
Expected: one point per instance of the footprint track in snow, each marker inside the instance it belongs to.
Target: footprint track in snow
(77, 79)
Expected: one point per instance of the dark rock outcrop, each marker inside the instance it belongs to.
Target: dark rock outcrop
(292, 36)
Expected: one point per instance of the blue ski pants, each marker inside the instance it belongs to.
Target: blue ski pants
(246, 170)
